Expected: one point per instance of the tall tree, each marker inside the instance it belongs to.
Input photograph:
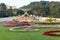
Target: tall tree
(10, 11)
(3, 10)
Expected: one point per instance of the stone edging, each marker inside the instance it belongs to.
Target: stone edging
(25, 29)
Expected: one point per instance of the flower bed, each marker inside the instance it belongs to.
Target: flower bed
(47, 23)
(51, 33)
(46, 26)
(15, 24)
(26, 26)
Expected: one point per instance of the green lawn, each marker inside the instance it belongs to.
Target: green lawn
(5, 34)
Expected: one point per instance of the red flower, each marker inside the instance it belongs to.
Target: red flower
(51, 33)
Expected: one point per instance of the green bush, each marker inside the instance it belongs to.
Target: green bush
(47, 23)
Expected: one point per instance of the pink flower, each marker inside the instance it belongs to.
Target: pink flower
(27, 26)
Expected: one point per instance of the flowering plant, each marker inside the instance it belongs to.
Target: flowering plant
(52, 33)
(46, 26)
(14, 24)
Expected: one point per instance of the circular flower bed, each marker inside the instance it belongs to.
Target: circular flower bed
(22, 30)
(52, 33)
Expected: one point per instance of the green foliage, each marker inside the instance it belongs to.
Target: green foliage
(2, 13)
(3, 10)
(20, 12)
(47, 23)
(15, 20)
(44, 8)
(3, 7)
(10, 12)
(30, 12)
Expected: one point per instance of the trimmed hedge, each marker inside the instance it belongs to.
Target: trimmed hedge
(47, 23)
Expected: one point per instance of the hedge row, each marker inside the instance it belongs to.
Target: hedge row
(47, 23)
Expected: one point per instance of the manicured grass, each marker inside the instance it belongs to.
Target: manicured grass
(5, 34)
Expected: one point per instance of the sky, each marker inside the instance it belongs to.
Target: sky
(20, 3)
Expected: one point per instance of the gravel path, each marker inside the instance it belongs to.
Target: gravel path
(5, 19)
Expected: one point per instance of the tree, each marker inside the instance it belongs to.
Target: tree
(3, 10)
(44, 8)
(38, 11)
(10, 11)
(3, 7)
(20, 12)
(30, 12)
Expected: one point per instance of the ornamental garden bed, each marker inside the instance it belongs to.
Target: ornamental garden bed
(47, 23)
(5, 34)
(20, 29)
(52, 33)
(45, 26)
(14, 24)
